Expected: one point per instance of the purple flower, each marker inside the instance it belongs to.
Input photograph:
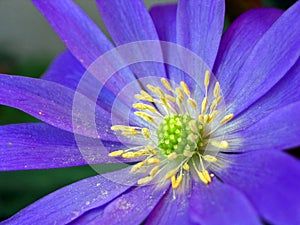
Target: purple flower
(206, 154)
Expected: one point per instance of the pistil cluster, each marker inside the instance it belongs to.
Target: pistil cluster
(179, 133)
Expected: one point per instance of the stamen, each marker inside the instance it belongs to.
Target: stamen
(185, 88)
(141, 106)
(145, 116)
(166, 84)
(128, 155)
(146, 132)
(137, 166)
(213, 116)
(217, 90)
(152, 161)
(122, 128)
(172, 156)
(209, 158)
(186, 167)
(206, 78)
(176, 182)
(222, 144)
(145, 180)
(204, 105)
(227, 118)
(192, 103)
(206, 175)
(154, 171)
(170, 174)
(116, 153)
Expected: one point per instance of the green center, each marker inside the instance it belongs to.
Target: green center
(176, 135)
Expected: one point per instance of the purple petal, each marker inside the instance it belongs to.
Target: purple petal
(67, 70)
(271, 58)
(279, 130)
(199, 27)
(41, 146)
(131, 208)
(164, 18)
(238, 41)
(53, 104)
(79, 33)
(218, 203)
(270, 180)
(82, 36)
(136, 26)
(68, 203)
(170, 210)
(282, 94)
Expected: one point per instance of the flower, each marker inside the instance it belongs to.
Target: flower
(208, 161)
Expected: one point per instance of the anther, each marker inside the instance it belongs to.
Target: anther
(226, 118)
(152, 161)
(142, 106)
(206, 78)
(185, 88)
(204, 105)
(170, 174)
(145, 116)
(192, 103)
(210, 158)
(166, 84)
(137, 166)
(217, 90)
(172, 156)
(145, 180)
(222, 144)
(146, 132)
(154, 170)
(116, 153)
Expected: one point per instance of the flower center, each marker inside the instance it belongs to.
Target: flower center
(181, 139)
(175, 134)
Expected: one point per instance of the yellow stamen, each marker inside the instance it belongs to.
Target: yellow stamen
(227, 118)
(152, 161)
(145, 180)
(204, 105)
(128, 155)
(192, 103)
(142, 106)
(166, 84)
(146, 132)
(154, 171)
(137, 166)
(129, 132)
(188, 153)
(206, 79)
(122, 128)
(170, 98)
(176, 182)
(145, 116)
(212, 116)
(170, 174)
(141, 152)
(222, 144)
(172, 156)
(116, 153)
(217, 90)
(186, 167)
(210, 158)
(206, 175)
(202, 177)
(185, 88)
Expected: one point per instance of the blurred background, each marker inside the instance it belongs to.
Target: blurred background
(27, 46)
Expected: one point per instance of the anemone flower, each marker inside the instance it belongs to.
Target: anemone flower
(203, 138)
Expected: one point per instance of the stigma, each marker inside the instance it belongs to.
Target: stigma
(179, 141)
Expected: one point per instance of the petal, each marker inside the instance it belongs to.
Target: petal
(136, 26)
(68, 71)
(41, 146)
(130, 208)
(79, 33)
(170, 210)
(238, 41)
(164, 18)
(65, 70)
(270, 180)
(285, 92)
(53, 104)
(219, 203)
(68, 203)
(271, 58)
(279, 130)
(199, 27)
(82, 37)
